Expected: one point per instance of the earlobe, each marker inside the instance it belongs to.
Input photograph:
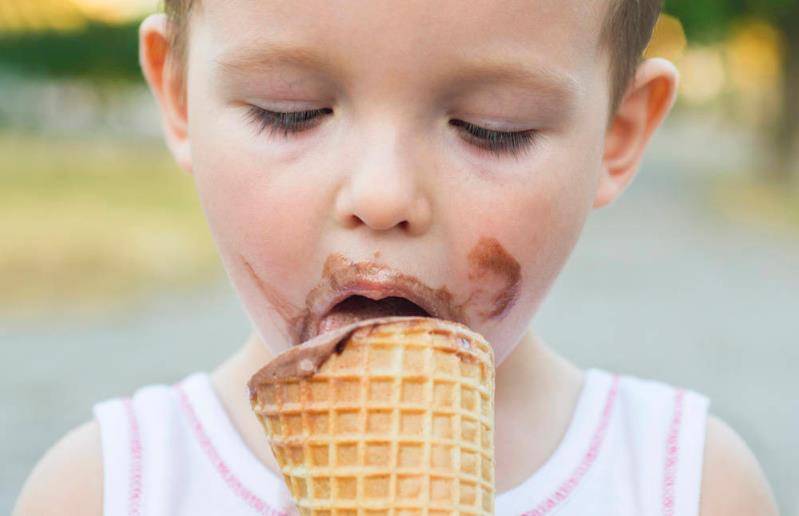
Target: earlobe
(166, 84)
(644, 106)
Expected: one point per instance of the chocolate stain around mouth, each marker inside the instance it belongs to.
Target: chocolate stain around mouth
(339, 271)
(285, 309)
(487, 259)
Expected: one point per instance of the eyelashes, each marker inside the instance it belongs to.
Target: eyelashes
(498, 143)
(289, 123)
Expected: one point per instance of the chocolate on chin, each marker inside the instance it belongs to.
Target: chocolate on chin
(383, 415)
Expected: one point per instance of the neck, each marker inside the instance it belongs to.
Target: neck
(535, 396)
(536, 392)
(229, 380)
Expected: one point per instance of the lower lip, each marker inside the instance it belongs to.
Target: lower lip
(332, 321)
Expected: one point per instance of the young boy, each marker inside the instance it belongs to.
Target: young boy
(356, 158)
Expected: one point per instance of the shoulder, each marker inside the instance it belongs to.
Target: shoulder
(68, 479)
(729, 479)
(732, 480)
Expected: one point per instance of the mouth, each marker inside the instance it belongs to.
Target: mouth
(356, 308)
(364, 290)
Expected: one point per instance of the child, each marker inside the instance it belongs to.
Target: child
(357, 158)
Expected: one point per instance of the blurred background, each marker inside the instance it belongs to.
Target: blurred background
(109, 279)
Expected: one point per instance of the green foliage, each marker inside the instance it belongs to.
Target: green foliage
(98, 52)
(709, 19)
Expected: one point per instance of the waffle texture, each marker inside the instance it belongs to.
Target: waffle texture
(400, 422)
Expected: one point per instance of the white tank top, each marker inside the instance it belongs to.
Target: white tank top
(633, 447)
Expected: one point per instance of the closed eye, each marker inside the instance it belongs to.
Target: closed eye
(275, 121)
(498, 142)
(495, 142)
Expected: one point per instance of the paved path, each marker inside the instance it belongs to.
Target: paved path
(660, 286)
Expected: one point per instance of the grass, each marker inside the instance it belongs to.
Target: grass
(87, 224)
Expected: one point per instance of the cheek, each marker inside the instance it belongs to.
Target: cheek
(540, 216)
(246, 213)
(263, 224)
(552, 212)
(552, 217)
(539, 226)
(537, 217)
(256, 207)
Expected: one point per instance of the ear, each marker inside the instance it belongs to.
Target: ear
(643, 107)
(166, 84)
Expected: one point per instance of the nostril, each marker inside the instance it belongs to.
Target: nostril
(355, 221)
(374, 211)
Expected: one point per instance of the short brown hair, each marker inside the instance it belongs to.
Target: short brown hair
(627, 30)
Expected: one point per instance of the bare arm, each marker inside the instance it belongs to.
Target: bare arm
(733, 484)
(68, 480)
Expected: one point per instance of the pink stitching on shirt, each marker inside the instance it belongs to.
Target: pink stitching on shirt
(221, 467)
(672, 453)
(134, 494)
(567, 487)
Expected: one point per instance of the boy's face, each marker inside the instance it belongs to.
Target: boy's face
(385, 183)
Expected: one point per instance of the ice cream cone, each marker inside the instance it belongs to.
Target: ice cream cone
(388, 416)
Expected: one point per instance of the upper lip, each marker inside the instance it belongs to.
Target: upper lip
(376, 282)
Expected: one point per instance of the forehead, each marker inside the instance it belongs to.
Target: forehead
(402, 39)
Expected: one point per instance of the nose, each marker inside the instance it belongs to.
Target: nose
(383, 191)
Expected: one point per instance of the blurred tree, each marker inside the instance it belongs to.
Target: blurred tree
(97, 51)
(711, 19)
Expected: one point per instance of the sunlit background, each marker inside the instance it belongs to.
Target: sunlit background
(109, 279)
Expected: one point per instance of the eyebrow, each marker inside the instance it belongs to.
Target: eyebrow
(270, 56)
(542, 81)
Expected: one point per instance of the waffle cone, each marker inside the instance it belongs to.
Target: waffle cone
(397, 420)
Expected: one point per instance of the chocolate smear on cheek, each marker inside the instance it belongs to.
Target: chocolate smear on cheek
(489, 258)
(285, 309)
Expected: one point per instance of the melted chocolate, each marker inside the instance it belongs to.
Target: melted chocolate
(487, 260)
(287, 311)
(306, 359)
(338, 272)
(489, 257)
